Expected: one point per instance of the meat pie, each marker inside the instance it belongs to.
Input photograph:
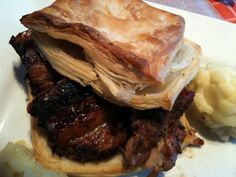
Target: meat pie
(108, 85)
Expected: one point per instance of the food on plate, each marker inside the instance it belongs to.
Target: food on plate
(107, 85)
(18, 160)
(215, 99)
(134, 54)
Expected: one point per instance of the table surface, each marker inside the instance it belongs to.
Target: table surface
(197, 6)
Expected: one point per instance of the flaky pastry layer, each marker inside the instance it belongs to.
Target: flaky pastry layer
(142, 37)
(131, 90)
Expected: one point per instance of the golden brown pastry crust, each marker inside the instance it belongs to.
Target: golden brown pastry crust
(137, 34)
(127, 44)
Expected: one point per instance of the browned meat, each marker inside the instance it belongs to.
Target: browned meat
(79, 124)
(152, 126)
(64, 93)
(89, 130)
(39, 73)
(147, 133)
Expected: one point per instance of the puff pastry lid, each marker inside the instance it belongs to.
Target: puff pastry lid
(142, 36)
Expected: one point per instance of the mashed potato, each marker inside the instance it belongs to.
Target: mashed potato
(215, 98)
(18, 161)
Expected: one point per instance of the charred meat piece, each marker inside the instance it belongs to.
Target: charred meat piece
(64, 93)
(153, 126)
(79, 124)
(39, 73)
(82, 126)
(89, 130)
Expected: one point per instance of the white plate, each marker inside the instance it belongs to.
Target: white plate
(217, 39)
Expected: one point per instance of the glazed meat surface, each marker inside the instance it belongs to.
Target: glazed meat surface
(64, 93)
(38, 72)
(79, 124)
(90, 129)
